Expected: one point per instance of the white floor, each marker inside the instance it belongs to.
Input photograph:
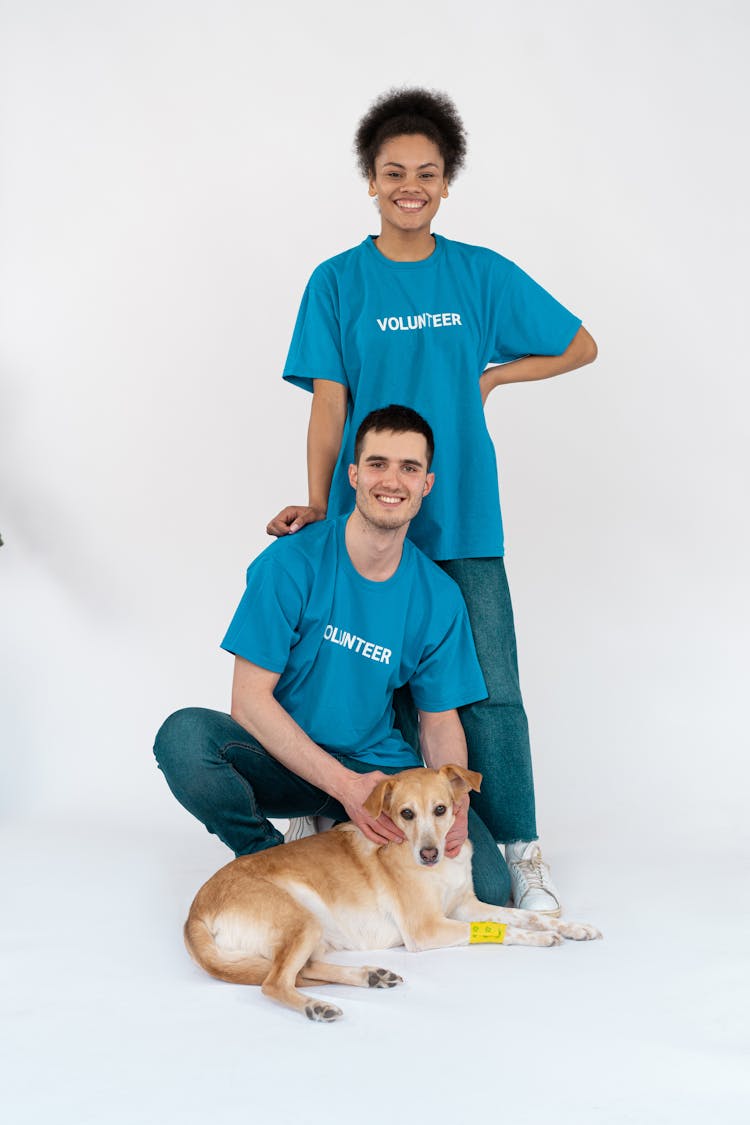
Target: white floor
(107, 1021)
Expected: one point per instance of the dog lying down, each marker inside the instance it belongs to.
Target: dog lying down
(269, 918)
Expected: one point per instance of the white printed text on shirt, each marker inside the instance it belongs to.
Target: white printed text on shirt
(419, 320)
(357, 644)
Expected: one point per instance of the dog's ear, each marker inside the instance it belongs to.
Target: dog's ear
(380, 798)
(461, 780)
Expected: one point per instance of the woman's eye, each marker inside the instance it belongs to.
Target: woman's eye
(407, 814)
(440, 810)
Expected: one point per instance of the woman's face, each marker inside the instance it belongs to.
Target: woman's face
(409, 182)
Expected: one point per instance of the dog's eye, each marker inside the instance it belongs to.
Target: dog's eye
(407, 814)
(440, 810)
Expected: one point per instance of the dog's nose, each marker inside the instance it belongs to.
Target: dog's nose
(428, 855)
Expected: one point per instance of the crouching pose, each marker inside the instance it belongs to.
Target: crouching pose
(333, 621)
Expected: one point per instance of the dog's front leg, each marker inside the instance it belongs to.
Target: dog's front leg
(471, 909)
(434, 933)
(442, 932)
(518, 930)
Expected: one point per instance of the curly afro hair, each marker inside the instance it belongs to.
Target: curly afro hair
(408, 111)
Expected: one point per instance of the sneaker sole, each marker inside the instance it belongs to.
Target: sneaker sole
(547, 913)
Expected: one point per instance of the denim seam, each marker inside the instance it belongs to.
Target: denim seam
(268, 830)
(259, 751)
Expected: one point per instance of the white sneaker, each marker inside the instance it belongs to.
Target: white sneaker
(532, 884)
(299, 827)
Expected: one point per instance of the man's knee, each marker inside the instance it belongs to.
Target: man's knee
(179, 738)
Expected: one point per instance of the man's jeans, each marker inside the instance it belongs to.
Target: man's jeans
(496, 729)
(232, 785)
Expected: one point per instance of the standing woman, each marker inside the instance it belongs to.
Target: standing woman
(415, 318)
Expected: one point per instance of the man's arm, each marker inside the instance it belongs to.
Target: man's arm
(442, 742)
(324, 433)
(580, 351)
(255, 708)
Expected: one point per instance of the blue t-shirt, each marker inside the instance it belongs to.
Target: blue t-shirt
(342, 643)
(421, 334)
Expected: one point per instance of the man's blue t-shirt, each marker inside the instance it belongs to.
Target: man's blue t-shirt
(342, 643)
(421, 334)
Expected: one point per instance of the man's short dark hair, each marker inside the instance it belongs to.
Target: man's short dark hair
(408, 111)
(397, 420)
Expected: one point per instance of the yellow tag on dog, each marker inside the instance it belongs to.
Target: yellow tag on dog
(487, 932)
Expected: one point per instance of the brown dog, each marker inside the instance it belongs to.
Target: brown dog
(268, 918)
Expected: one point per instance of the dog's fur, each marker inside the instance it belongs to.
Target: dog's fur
(268, 918)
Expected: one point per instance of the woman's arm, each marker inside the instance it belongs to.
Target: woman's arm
(580, 351)
(324, 433)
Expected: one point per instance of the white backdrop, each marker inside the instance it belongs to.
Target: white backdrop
(172, 172)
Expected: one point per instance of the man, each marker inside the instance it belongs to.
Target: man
(333, 620)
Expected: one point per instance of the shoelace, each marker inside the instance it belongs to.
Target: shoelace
(533, 869)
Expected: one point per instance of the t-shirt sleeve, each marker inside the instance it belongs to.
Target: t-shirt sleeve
(265, 625)
(448, 675)
(315, 350)
(526, 319)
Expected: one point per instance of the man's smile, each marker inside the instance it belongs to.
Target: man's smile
(386, 498)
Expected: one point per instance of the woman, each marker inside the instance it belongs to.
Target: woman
(415, 318)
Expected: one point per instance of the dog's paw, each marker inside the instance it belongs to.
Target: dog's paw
(382, 978)
(322, 1012)
(579, 931)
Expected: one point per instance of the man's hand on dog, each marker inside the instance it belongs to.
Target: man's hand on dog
(381, 830)
(459, 830)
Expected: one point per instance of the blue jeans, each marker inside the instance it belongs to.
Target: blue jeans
(496, 729)
(221, 775)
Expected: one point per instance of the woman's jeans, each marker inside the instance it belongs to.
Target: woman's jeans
(497, 732)
(232, 785)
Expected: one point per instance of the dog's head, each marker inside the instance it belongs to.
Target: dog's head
(421, 802)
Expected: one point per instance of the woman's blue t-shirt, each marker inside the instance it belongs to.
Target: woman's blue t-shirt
(421, 334)
(343, 644)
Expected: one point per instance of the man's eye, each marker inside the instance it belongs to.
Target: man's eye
(440, 810)
(407, 814)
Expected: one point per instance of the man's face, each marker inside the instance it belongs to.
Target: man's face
(391, 478)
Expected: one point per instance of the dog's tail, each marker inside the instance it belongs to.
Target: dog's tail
(236, 968)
